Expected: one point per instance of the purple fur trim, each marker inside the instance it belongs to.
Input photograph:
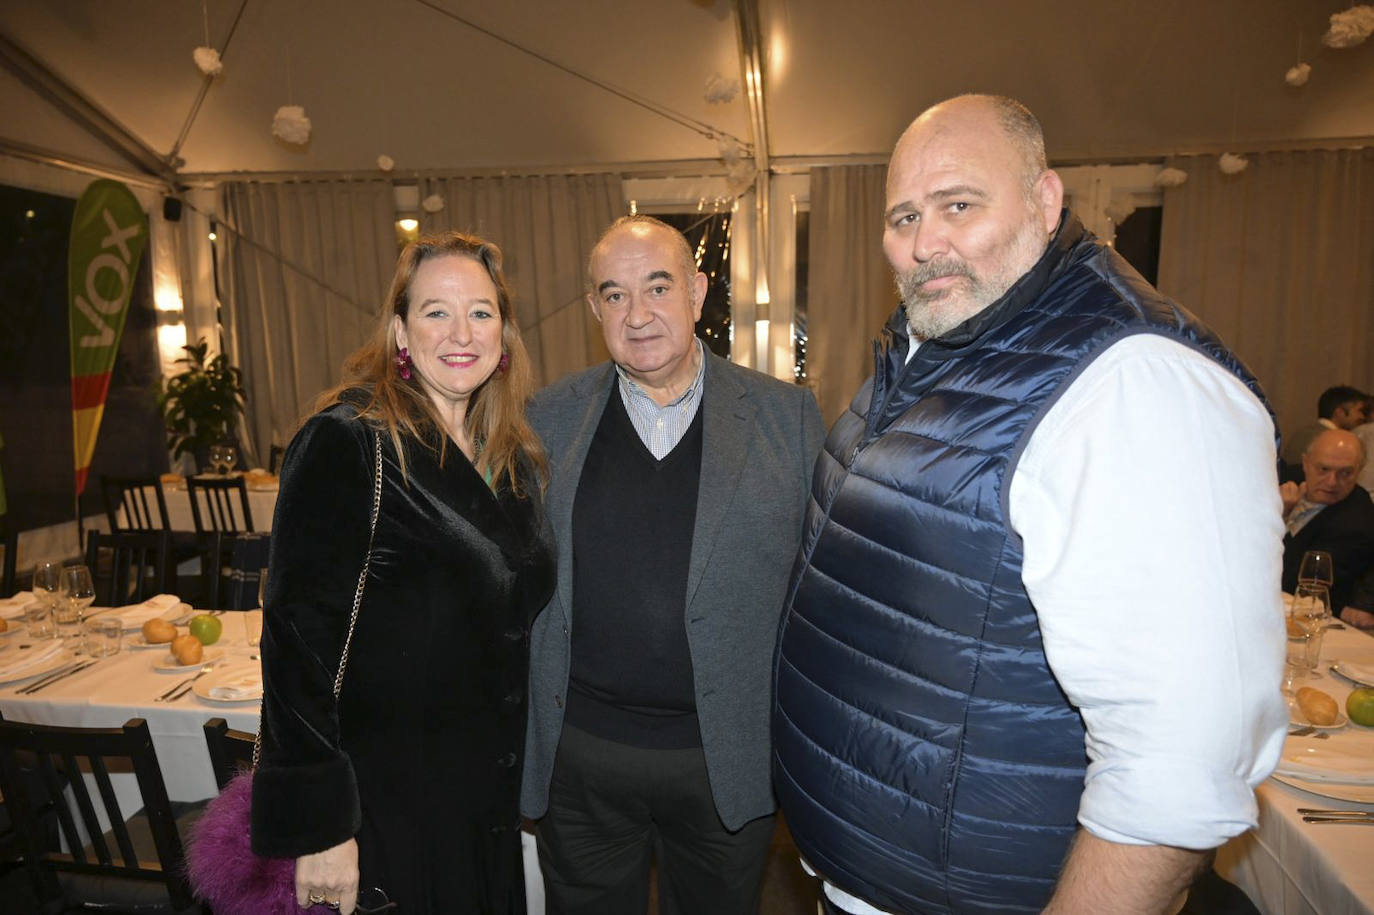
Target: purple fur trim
(221, 864)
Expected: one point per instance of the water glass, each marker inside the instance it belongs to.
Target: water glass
(1316, 568)
(103, 636)
(1310, 609)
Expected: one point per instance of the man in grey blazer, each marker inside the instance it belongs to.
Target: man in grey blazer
(679, 483)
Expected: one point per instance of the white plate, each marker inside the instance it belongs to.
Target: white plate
(177, 613)
(172, 665)
(222, 677)
(1355, 673)
(53, 663)
(1360, 794)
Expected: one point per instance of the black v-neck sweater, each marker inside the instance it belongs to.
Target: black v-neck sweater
(632, 522)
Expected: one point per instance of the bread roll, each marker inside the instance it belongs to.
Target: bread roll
(187, 649)
(1317, 707)
(158, 631)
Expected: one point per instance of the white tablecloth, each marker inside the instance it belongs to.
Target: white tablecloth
(1289, 867)
(124, 686)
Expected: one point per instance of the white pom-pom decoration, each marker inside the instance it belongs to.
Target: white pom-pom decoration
(290, 125)
(385, 162)
(1232, 164)
(1298, 76)
(721, 89)
(207, 59)
(1119, 210)
(1170, 177)
(432, 204)
(1350, 28)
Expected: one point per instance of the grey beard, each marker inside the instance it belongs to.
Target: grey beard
(925, 318)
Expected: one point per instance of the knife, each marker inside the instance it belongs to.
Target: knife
(1358, 821)
(43, 678)
(1313, 811)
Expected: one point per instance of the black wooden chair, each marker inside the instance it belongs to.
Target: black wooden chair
(230, 750)
(9, 543)
(240, 560)
(138, 864)
(130, 566)
(215, 508)
(134, 503)
(274, 454)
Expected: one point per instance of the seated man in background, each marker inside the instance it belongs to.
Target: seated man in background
(1359, 612)
(1341, 407)
(1329, 511)
(1365, 433)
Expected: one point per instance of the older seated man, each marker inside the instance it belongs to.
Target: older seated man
(1329, 511)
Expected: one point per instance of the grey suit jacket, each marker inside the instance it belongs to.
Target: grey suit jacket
(760, 437)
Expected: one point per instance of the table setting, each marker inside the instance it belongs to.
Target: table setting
(1308, 855)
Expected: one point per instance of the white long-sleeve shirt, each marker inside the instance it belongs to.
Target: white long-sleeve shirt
(1147, 501)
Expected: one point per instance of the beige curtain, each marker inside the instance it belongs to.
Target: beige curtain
(1279, 260)
(850, 289)
(546, 227)
(303, 268)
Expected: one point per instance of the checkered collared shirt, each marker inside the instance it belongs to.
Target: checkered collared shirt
(661, 428)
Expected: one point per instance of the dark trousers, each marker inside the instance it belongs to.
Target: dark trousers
(613, 807)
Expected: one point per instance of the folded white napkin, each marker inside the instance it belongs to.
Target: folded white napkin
(31, 658)
(13, 607)
(1327, 764)
(134, 616)
(245, 686)
(1362, 672)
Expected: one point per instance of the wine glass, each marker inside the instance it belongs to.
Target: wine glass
(47, 587)
(1316, 568)
(230, 456)
(216, 456)
(78, 593)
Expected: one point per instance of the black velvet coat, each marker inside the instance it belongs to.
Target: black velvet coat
(422, 760)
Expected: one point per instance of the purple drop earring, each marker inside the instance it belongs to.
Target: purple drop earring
(403, 363)
(503, 363)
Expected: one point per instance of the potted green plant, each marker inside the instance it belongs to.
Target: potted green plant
(201, 405)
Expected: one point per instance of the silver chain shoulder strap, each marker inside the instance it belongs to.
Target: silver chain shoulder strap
(357, 594)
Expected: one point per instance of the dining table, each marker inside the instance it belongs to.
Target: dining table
(1290, 867)
(127, 685)
(262, 502)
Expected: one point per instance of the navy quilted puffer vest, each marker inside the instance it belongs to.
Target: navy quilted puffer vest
(925, 756)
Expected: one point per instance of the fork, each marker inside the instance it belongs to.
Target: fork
(1315, 811)
(176, 692)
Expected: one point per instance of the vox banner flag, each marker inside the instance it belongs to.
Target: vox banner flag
(109, 233)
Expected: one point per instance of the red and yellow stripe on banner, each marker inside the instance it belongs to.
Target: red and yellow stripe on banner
(109, 233)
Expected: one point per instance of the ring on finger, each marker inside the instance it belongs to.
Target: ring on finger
(315, 898)
(332, 903)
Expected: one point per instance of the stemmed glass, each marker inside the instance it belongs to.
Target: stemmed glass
(230, 456)
(1316, 569)
(47, 587)
(217, 459)
(78, 593)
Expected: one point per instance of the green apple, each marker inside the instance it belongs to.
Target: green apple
(207, 628)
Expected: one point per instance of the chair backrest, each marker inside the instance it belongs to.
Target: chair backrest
(134, 503)
(274, 453)
(230, 750)
(56, 751)
(241, 561)
(9, 543)
(213, 504)
(130, 566)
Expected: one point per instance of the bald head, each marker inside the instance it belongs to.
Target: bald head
(988, 113)
(970, 209)
(1331, 464)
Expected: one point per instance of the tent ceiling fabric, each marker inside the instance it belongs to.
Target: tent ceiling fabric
(1109, 78)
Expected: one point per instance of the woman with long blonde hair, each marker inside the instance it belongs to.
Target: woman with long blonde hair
(406, 790)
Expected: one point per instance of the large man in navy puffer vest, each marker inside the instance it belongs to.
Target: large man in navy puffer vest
(1032, 648)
